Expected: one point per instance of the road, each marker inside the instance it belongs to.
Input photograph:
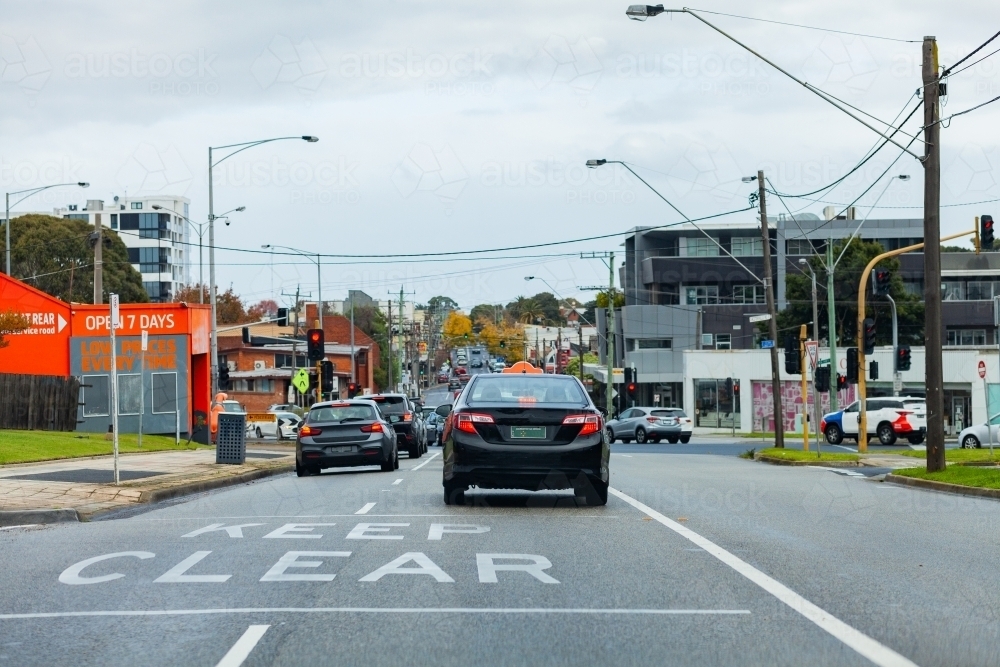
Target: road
(698, 559)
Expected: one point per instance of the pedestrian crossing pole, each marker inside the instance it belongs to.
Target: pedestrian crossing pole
(805, 388)
(112, 325)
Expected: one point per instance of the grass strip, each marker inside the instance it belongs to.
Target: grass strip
(983, 478)
(956, 455)
(29, 446)
(799, 455)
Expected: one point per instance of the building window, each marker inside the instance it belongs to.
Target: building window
(129, 394)
(129, 221)
(723, 341)
(137, 206)
(747, 246)
(114, 221)
(749, 294)
(285, 361)
(980, 290)
(700, 246)
(704, 294)
(966, 337)
(715, 406)
(652, 344)
(96, 395)
(916, 288)
(164, 393)
(799, 247)
(257, 385)
(953, 291)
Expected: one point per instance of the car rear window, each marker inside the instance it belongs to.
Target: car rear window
(339, 413)
(391, 405)
(668, 413)
(526, 389)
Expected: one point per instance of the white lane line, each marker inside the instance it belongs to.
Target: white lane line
(861, 643)
(435, 454)
(25, 525)
(241, 649)
(397, 481)
(367, 508)
(381, 610)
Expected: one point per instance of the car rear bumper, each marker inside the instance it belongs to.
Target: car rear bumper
(525, 467)
(325, 456)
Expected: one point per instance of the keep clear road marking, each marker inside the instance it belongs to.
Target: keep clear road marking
(432, 457)
(397, 481)
(366, 509)
(241, 649)
(863, 644)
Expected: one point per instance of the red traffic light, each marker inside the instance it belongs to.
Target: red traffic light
(315, 349)
(630, 387)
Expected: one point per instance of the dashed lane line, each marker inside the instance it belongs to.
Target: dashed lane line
(243, 646)
(878, 653)
(367, 508)
(432, 457)
(397, 481)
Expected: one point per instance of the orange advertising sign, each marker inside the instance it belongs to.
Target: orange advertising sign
(42, 348)
(133, 319)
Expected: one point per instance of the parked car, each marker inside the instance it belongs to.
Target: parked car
(687, 424)
(232, 406)
(285, 426)
(345, 433)
(645, 424)
(888, 419)
(976, 436)
(525, 431)
(404, 415)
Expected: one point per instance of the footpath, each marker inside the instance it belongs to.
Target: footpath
(83, 489)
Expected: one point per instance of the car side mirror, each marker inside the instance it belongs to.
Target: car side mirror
(443, 410)
(417, 407)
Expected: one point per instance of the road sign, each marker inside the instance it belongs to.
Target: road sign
(812, 349)
(766, 344)
(617, 375)
(760, 318)
(301, 381)
(114, 310)
(145, 340)
(982, 369)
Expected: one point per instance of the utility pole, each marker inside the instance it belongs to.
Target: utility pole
(779, 422)
(353, 362)
(932, 258)
(99, 262)
(610, 332)
(831, 325)
(389, 338)
(579, 331)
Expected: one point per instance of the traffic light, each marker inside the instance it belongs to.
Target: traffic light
(353, 389)
(872, 370)
(246, 335)
(423, 368)
(314, 345)
(852, 365)
(792, 366)
(821, 379)
(869, 335)
(881, 281)
(326, 368)
(903, 358)
(986, 231)
(629, 378)
(729, 386)
(841, 382)
(223, 377)
(503, 344)
(282, 319)
(630, 389)
(736, 389)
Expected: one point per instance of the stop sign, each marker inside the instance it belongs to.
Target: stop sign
(982, 369)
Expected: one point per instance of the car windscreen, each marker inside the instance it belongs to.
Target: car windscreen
(520, 389)
(339, 413)
(391, 405)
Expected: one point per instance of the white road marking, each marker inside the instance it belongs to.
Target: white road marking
(241, 649)
(367, 508)
(432, 457)
(858, 641)
(26, 525)
(840, 471)
(232, 531)
(628, 456)
(377, 610)
(397, 482)
(290, 559)
(176, 574)
(426, 566)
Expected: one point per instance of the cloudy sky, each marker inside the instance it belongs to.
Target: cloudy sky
(449, 126)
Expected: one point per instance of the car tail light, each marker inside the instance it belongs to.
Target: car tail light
(590, 423)
(372, 428)
(467, 421)
(309, 431)
(407, 416)
(903, 413)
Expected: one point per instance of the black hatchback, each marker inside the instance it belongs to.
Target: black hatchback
(345, 433)
(520, 431)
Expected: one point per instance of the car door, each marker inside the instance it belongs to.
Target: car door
(616, 424)
(850, 418)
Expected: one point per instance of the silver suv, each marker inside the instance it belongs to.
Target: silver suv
(645, 425)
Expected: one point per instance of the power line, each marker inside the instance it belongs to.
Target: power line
(810, 27)
(979, 48)
(972, 64)
(962, 113)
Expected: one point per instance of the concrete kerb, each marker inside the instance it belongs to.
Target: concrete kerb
(942, 487)
(825, 464)
(28, 517)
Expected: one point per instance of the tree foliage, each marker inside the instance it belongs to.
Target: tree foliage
(371, 320)
(456, 326)
(55, 255)
(191, 294)
(509, 333)
(602, 298)
(441, 304)
(11, 322)
(573, 365)
(485, 311)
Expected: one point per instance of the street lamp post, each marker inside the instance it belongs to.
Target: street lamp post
(27, 193)
(200, 226)
(214, 349)
(319, 274)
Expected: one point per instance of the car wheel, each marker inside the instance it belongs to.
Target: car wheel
(414, 451)
(654, 439)
(885, 434)
(971, 442)
(640, 436)
(281, 435)
(672, 441)
(454, 495)
(389, 465)
(300, 471)
(611, 436)
(592, 492)
(685, 439)
(258, 433)
(915, 439)
(834, 435)
(395, 458)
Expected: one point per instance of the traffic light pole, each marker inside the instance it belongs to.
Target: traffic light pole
(831, 324)
(803, 336)
(897, 375)
(779, 420)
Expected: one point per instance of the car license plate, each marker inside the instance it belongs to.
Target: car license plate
(342, 448)
(527, 432)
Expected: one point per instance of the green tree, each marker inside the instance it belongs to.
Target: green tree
(602, 298)
(484, 311)
(573, 365)
(798, 292)
(55, 255)
(549, 306)
(371, 320)
(11, 322)
(441, 304)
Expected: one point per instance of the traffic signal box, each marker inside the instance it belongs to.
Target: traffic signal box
(869, 335)
(822, 379)
(353, 389)
(326, 371)
(903, 358)
(841, 382)
(881, 281)
(852, 366)
(792, 365)
(315, 345)
(986, 231)
(223, 377)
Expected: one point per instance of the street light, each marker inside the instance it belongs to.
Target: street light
(319, 281)
(238, 148)
(201, 231)
(27, 193)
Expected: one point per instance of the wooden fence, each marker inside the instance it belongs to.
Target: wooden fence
(39, 402)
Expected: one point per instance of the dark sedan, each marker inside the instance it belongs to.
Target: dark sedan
(522, 431)
(338, 434)
(404, 415)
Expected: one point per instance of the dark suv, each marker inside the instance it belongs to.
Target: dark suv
(406, 420)
(525, 431)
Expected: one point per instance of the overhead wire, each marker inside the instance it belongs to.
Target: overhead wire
(810, 27)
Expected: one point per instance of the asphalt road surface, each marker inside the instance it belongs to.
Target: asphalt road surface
(698, 559)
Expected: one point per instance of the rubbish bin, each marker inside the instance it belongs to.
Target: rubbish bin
(230, 440)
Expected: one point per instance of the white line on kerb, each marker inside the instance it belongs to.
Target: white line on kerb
(426, 462)
(367, 508)
(241, 649)
(397, 482)
(381, 610)
(869, 648)
(24, 525)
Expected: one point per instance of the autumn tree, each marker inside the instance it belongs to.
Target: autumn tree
(264, 309)
(196, 293)
(457, 326)
(229, 308)
(485, 311)
(11, 323)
